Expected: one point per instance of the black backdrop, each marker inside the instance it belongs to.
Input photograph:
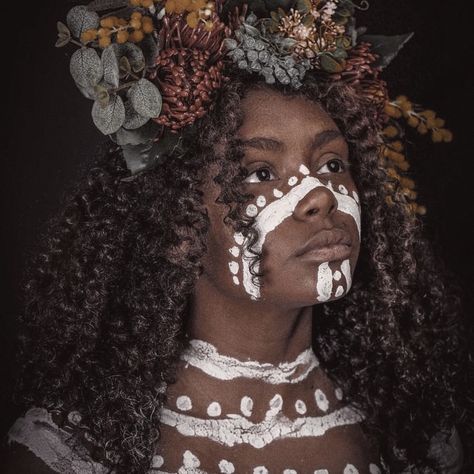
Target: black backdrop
(49, 135)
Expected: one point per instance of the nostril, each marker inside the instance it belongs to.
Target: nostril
(312, 211)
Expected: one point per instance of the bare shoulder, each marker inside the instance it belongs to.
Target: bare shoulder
(46, 442)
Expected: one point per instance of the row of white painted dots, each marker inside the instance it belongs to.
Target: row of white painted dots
(184, 403)
(226, 467)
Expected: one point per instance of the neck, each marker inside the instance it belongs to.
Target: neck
(248, 329)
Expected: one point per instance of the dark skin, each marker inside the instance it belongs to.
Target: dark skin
(278, 326)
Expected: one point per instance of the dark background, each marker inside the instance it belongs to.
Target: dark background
(49, 135)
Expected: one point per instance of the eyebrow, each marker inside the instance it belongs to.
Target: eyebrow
(271, 144)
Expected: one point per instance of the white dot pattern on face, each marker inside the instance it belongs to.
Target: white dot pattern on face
(260, 470)
(261, 201)
(226, 467)
(246, 406)
(234, 267)
(300, 407)
(374, 469)
(235, 279)
(337, 275)
(157, 461)
(214, 409)
(289, 471)
(339, 291)
(350, 469)
(321, 471)
(239, 238)
(276, 402)
(343, 189)
(190, 460)
(355, 196)
(321, 400)
(338, 392)
(184, 403)
(293, 180)
(303, 169)
(235, 251)
(277, 193)
(252, 210)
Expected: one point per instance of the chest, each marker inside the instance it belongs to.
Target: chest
(210, 428)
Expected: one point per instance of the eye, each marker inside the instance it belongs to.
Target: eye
(334, 166)
(262, 174)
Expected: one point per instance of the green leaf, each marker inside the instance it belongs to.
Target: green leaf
(110, 118)
(387, 47)
(86, 67)
(145, 98)
(80, 19)
(64, 35)
(331, 64)
(110, 65)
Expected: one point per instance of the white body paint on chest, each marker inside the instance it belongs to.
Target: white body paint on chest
(204, 356)
(236, 429)
(276, 212)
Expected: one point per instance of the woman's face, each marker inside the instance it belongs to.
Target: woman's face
(306, 207)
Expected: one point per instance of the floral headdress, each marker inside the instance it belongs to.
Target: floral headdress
(152, 67)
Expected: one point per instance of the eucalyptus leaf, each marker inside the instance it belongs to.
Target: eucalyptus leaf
(251, 30)
(331, 64)
(62, 40)
(387, 47)
(149, 49)
(86, 67)
(88, 91)
(134, 54)
(80, 19)
(141, 135)
(63, 29)
(102, 95)
(230, 43)
(145, 98)
(133, 119)
(110, 118)
(99, 5)
(151, 154)
(124, 67)
(110, 65)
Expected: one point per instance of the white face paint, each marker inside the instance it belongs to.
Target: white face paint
(236, 429)
(226, 467)
(246, 406)
(351, 469)
(321, 400)
(204, 356)
(184, 403)
(214, 409)
(273, 214)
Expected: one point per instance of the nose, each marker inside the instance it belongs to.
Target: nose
(319, 202)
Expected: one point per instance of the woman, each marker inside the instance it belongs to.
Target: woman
(253, 304)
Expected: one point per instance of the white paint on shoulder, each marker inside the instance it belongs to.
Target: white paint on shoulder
(261, 201)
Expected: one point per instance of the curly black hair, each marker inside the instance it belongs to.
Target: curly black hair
(106, 298)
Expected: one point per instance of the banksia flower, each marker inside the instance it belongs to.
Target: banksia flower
(187, 82)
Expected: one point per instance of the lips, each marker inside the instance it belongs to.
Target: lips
(328, 245)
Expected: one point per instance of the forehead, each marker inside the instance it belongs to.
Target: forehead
(268, 111)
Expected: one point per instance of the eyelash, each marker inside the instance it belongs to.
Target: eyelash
(345, 167)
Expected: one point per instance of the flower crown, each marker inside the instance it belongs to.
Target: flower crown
(152, 68)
